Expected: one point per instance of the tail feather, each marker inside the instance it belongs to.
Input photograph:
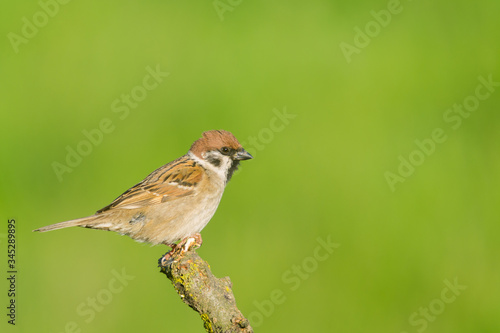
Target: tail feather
(85, 221)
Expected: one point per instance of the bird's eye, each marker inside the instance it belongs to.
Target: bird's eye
(225, 151)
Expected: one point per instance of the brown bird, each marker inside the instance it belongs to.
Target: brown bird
(176, 201)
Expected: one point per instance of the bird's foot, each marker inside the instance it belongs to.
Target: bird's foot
(185, 245)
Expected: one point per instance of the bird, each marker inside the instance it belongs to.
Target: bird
(174, 202)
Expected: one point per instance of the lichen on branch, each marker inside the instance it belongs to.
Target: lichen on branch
(210, 296)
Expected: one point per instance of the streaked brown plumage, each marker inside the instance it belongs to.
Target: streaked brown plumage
(175, 201)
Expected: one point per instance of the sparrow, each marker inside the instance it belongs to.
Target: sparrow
(176, 201)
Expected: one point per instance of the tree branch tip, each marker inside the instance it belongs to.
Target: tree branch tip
(208, 295)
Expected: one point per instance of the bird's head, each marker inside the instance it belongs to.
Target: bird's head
(220, 151)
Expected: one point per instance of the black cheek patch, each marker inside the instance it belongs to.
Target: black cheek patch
(214, 161)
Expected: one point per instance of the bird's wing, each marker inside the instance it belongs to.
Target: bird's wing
(172, 181)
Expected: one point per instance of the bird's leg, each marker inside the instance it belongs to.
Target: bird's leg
(193, 241)
(180, 248)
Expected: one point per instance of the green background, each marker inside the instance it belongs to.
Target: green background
(319, 175)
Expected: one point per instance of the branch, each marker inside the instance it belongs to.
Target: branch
(211, 297)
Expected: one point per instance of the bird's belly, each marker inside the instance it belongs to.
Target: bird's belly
(167, 223)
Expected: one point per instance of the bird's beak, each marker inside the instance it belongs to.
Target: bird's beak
(243, 155)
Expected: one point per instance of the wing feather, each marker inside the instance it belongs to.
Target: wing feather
(172, 181)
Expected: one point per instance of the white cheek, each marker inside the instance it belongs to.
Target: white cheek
(226, 163)
(220, 170)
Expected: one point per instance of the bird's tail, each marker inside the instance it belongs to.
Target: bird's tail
(83, 222)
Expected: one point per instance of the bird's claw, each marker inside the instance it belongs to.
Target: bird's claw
(185, 245)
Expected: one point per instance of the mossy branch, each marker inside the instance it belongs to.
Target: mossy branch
(211, 297)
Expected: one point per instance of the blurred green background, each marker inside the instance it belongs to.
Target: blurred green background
(321, 173)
